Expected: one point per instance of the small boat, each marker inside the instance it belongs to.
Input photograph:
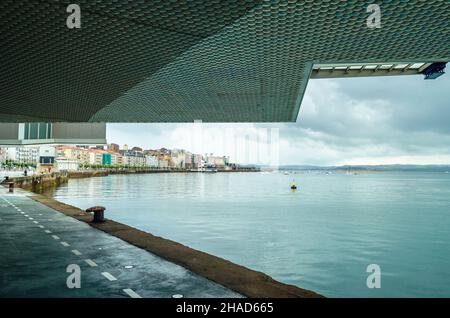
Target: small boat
(209, 169)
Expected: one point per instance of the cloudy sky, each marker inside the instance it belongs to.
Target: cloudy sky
(383, 120)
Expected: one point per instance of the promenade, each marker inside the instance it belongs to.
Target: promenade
(39, 243)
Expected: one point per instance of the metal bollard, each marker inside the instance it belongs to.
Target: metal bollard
(99, 213)
(11, 187)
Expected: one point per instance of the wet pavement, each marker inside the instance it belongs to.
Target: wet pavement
(38, 244)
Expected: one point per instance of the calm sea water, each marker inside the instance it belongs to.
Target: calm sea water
(321, 237)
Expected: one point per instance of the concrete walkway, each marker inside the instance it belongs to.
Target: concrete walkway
(39, 243)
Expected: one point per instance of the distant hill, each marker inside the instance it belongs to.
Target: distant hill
(397, 167)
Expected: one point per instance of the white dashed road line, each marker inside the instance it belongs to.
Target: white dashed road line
(132, 293)
(110, 277)
(90, 262)
(76, 252)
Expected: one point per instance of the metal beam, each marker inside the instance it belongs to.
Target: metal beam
(321, 71)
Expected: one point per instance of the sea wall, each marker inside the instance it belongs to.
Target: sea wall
(37, 183)
(106, 172)
(87, 174)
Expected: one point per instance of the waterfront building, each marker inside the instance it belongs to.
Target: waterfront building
(152, 153)
(197, 161)
(177, 159)
(21, 134)
(133, 158)
(47, 155)
(2, 155)
(119, 160)
(28, 155)
(106, 159)
(116, 158)
(137, 149)
(162, 159)
(81, 155)
(151, 161)
(66, 164)
(163, 163)
(96, 156)
(188, 160)
(113, 148)
(217, 161)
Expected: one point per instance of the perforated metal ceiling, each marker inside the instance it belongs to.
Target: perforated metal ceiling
(185, 60)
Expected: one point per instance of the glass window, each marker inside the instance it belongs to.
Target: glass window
(42, 131)
(27, 131)
(49, 131)
(34, 131)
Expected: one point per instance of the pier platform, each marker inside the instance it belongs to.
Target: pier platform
(39, 243)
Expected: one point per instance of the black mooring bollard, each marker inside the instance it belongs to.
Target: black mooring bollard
(11, 187)
(99, 213)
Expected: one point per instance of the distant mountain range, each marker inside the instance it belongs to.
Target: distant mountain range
(396, 167)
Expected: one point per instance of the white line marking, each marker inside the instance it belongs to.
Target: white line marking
(22, 212)
(90, 262)
(76, 252)
(131, 293)
(26, 215)
(35, 222)
(48, 232)
(65, 244)
(41, 226)
(110, 277)
(55, 237)
(30, 219)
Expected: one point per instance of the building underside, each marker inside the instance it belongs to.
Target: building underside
(209, 60)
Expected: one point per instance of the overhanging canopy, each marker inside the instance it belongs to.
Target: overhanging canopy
(186, 60)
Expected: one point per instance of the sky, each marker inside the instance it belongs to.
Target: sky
(356, 121)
